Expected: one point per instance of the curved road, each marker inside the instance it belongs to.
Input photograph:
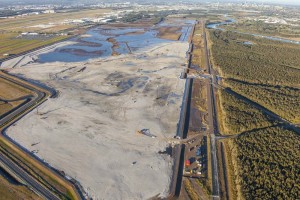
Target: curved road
(33, 101)
(27, 97)
(18, 171)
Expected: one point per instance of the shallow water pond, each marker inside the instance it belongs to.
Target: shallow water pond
(95, 42)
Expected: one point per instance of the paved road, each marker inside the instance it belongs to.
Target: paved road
(213, 120)
(22, 174)
(31, 182)
(27, 104)
(17, 99)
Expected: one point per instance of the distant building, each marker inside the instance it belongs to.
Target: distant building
(106, 20)
(29, 33)
(48, 11)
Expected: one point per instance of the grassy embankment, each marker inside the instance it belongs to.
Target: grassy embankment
(47, 178)
(11, 190)
(10, 91)
(263, 161)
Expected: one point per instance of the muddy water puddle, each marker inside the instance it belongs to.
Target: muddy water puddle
(96, 42)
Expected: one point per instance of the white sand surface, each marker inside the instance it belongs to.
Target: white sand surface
(89, 131)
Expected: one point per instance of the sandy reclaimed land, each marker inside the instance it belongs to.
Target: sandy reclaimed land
(89, 131)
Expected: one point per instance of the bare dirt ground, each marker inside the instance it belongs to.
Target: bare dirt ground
(170, 33)
(90, 130)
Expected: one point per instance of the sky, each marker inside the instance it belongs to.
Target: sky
(295, 2)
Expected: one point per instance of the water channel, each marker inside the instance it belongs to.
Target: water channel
(231, 21)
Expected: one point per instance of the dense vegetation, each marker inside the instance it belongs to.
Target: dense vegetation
(265, 61)
(132, 17)
(269, 164)
(264, 160)
(261, 27)
(156, 16)
(240, 116)
(266, 72)
(283, 100)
